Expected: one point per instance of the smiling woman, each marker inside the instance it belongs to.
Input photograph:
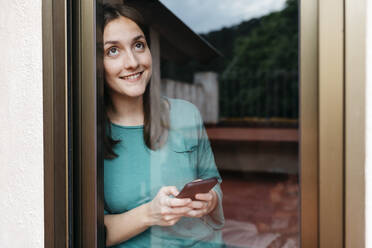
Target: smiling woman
(151, 150)
(127, 59)
(128, 69)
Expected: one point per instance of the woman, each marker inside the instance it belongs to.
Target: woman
(153, 147)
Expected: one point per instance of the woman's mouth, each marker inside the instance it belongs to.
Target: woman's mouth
(132, 77)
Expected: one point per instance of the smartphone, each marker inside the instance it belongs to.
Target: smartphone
(193, 188)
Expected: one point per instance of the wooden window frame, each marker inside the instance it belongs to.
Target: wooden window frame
(355, 123)
(331, 123)
(73, 123)
(308, 19)
(88, 124)
(55, 124)
(332, 134)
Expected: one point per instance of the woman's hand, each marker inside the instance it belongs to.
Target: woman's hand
(164, 210)
(203, 205)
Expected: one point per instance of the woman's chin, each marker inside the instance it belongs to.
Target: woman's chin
(134, 94)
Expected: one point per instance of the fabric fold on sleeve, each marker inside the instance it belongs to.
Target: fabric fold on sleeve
(216, 218)
(206, 169)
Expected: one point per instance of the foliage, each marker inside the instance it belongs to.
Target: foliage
(259, 69)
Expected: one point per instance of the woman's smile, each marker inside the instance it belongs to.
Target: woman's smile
(127, 58)
(132, 77)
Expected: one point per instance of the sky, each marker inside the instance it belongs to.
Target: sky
(207, 15)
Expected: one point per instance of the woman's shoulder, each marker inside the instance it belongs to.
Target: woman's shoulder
(178, 106)
(183, 113)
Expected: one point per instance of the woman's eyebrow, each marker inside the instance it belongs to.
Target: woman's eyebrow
(114, 42)
(138, 37)
(111, 42)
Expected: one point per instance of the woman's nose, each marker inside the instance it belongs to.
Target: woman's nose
(130, 61)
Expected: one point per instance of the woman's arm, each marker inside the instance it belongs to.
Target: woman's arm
(121, 227)
(162, 210)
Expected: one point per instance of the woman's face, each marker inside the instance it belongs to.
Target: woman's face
(127, 58)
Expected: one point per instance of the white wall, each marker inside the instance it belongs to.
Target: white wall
(21, 125)
(368, 171)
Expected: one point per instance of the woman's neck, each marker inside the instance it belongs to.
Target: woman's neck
(126, 111)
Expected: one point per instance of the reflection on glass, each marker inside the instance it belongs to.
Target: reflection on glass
(238, 121)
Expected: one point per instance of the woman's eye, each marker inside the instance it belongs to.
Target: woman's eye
(139, 45)
(112, 51)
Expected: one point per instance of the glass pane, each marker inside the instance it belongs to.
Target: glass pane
(199, 90)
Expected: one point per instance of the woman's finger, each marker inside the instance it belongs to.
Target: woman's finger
(165, 210)
(175, 202)
(170, 190)
(180, 210)
(172, 221)
(197, 213)
(198, 204)
(204, 197)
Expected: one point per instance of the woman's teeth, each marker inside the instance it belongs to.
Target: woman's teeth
(134, 76)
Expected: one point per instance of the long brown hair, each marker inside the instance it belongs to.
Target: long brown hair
(156, 109)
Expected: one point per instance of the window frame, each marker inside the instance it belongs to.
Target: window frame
(88, 124)
(73, 123)
(355, 122)
(308, 142)
(326, 122)
(55, 124)
(331, 116)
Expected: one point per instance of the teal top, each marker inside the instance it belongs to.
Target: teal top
(137, 174)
